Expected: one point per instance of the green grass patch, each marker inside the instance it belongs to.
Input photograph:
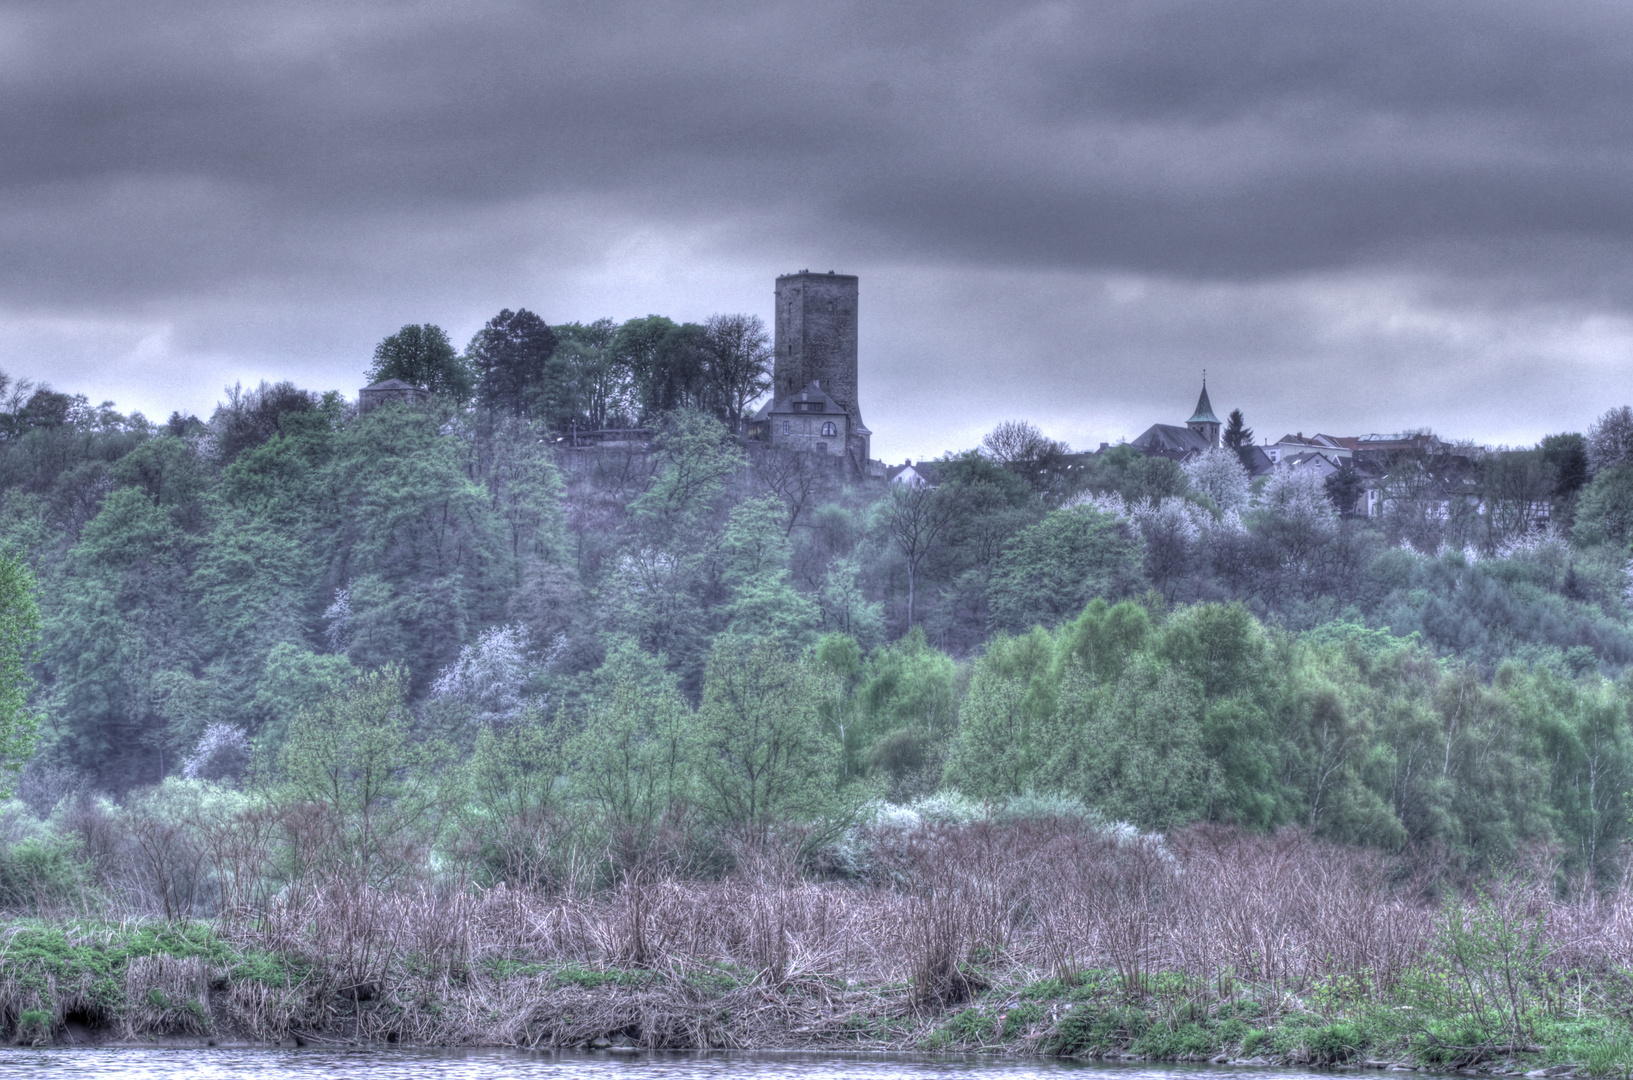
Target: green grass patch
(87, 962)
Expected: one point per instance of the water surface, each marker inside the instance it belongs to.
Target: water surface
(130, 1063)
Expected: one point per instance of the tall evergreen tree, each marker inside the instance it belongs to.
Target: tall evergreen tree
(1237, 433)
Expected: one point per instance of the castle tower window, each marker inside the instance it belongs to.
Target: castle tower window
(829, 430)
(786, 427)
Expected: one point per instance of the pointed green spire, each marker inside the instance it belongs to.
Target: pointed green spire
(1204, 409)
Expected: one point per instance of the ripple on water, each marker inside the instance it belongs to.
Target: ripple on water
(128, 1063)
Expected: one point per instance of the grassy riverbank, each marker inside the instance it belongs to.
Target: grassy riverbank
(1040, 936)
(89, 983)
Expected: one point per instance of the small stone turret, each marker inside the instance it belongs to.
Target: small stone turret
(372, 397)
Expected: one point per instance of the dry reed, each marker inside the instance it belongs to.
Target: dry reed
(765, 957)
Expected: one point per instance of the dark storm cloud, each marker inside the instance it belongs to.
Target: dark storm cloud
(1242, 138)
(308, 163)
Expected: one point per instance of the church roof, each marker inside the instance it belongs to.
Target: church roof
(391, 384)
(1204, 410)
(1166, 438)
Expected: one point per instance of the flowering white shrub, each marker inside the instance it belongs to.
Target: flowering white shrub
(337, 618)
(222, 753)
(1106, 502)
(1299, 496)
(489, 675)
(1219, 475)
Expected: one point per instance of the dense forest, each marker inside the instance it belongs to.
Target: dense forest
(457, 619)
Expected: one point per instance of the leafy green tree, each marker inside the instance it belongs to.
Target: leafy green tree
(845, 606)
(918, 518)
(19, 641)
(768, 608)
(764, 760)
(1053, 569)
(422, 355)
(295, 680)
(695, 455)
(665, 588)
(663, 601)
(352, 758)
(1105, 637)
(764, 605)
(606, 395)
(1006, 722)
(45, 408)
(512, 813)
(26, 528)
(993, 503)
(1583, 728)
(517, 373)
(633, 761)
(1328, 751)
(754, 542)
(282, 482)
(635, 350)
(839, 659)
(171, 473)
(414, 540)
(249, 418)
(739, 370)
(1604, 514)
(1135, 750)
(909, 710)
(1137, 478)
(678, 376)
(121, 616)
(1567, 456)
(1223, 652)
(527, 494)
(255, 589)
(1344, 489)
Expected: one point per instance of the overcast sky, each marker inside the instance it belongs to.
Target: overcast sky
(1356, 216)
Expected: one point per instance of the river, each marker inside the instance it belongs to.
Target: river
(128, 1063)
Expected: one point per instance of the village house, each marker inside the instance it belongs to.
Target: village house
(924, 474)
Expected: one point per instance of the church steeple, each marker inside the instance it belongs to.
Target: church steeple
(1203, 421)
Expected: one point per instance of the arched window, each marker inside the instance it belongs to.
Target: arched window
(829, 430)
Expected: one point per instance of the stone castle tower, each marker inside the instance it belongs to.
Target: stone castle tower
(816, 336)
(813, 406)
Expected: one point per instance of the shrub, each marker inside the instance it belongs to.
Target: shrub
(44, 873)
